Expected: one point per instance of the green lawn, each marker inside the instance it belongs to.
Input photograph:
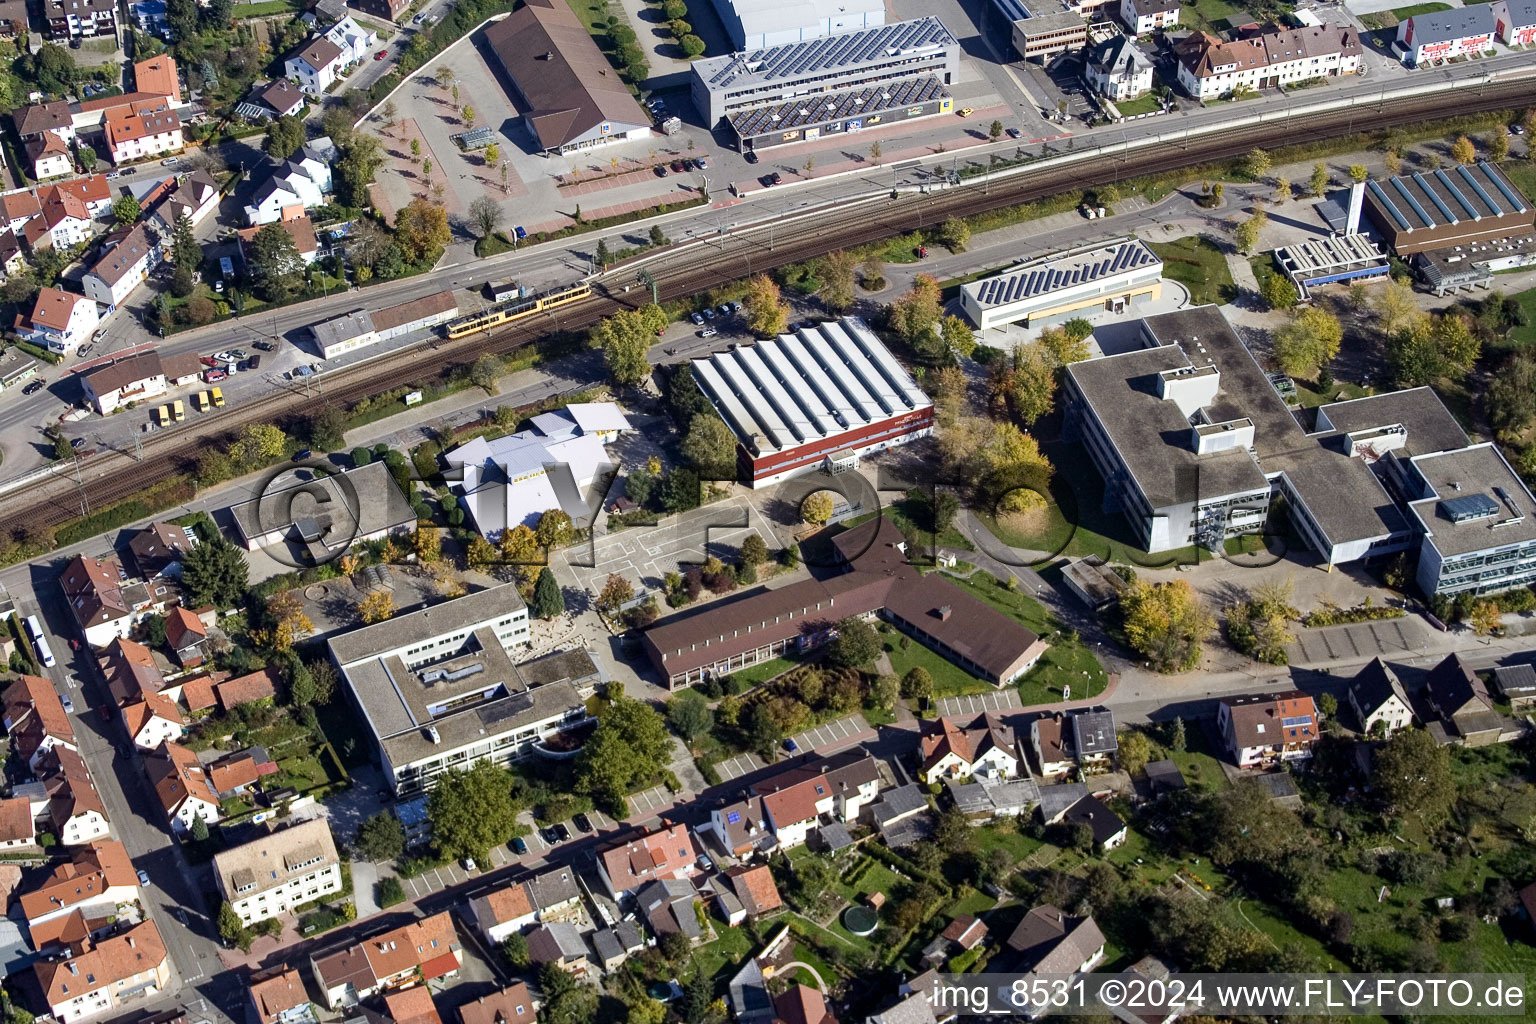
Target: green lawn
(949, 680)
(992, 837)
(1140, 105)
(1404, 13)
(1527, 333)
(1198, 264)
(266, 8)
(1065, 664)
(905, 514)
(722, 957)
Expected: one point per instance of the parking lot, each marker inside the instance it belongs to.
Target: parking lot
(829, 737)
(975, 704)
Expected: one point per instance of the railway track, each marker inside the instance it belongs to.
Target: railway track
(697, 266)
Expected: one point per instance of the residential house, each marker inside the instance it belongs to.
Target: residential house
(1516, 684)
(966, 931)
(555, 894)
(742, 827)
(1093, 740)
(316, 66)
(1460, 709)
(16, 208)
(275, 873)
(801, 1004)
(186, 637)
(352, 39)
(610, 948)
(755, 888)
(79, 19)
(838, 786)
(196, 196)
(299, 227)
(562, 945)
(502, 912)
(412, 1005)
(182, 785)
(992, 800)
(153, 720)
(159, 548)
(664, 853)
(158, 76)
(1117, 69)
(1209, 67)
(422, 950)
(135, 378)
(75, 813)
(392, 10)
(93, 587)
(260, 685)
(101, 977)
(668, 905)
(1514, 21)
(512, 1005)
(94, 190)
(95, 882)
(1143, 17)
(49, 156)
(54, 117)
(235, 775)
(280, 98)
(1056, 800)
(1048, 739)
(278, 997)
(63, 221)
(35, 720)
(915, 1008)
(1266, 729)
(1434, 38)
(1048, 941)
(298, 183)
(194, 693)
(18, 828)
(12, 261)
(60, 321)
(957, 749)
(142, 134)
(1109, 831)
(1379, 700)
(130, 670)
(901, 815)
(123, 267)
(1151, 975)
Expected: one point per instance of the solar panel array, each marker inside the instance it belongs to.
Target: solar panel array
(848, 49)
(826, 107)
(1469, 507)
(1447, 197)
(1039, 280)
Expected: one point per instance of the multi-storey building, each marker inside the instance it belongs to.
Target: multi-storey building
(141, 134)
(1474, 513)
(80, 19)
(1210, 67)
(123, 267)
(60, 321)
(1443, 35)
(754, 25)
(1515, 21)
(1041, 29)
(1144, 17)
(271, 875)
(1259, 730)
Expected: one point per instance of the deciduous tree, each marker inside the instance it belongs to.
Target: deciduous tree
(625, 338)
(616, 592)
(275, 262)
(710, 447)
(381, 837)
(855, 645)
(1412, 775)
(817, 507)
(1309, 341)
(766, 313)
(837, 284)
(472, 810)
(485, 214)
(1166, 624)
(284, 137)
(630, 745)
(1462, 150)
(689, 714)
(376, 606)
(1319, 180)
(555, 529)
(1498, 143)
(421, 229)
(1512, 396)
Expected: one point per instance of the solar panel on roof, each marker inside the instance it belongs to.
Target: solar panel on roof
(1469, 507)
(733, 817)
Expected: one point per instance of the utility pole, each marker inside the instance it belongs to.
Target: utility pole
(645, 278)
(85, 501)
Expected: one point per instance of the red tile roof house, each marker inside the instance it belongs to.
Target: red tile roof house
(755, 889)
(959, 748)
(59, 321)
(802, 1004)
(159, 547)
(106, 601)
(503, 912)
(1268, 728)
(130, 671)
(17, 829)
(183, 787)
(105, 975)
(153, 720)
(723, 637)
(1048, 738)
(277, 993)
(512, 1005)
(187, 638)
(95, 883)
(35, 719)
(75, 811)
(419, 951)
(666, 853)
(839, 787)
(246, 689)
(412, 1006)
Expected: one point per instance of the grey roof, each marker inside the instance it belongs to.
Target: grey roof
(1054, 942)
(1103, 822)
(607, 945)
(1165, 776)
(749, 993)
(1428, 425)
(1279, 785)
(824, 55)
(915, 1009)
(1062, 270)
(1515, 680)
(835, 836)
(834, 106)
(1374, 685)
(473, 609)
(360, 502)
(1442, 26)
(1119, 54)
(1446, 196)
(1522, 13)
(894, 803)
(556, 941)
(730, 906)
(904, 831)
(629, 936)
(1479, 470)
(1093, 732)
(1054, 800)
(552, 888)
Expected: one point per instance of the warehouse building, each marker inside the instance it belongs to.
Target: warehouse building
(1115, 276)
(839, 113)
(361, 328)
(821, 397)
(1447, 207)
(755, 25)
(571, 96)
(829, 71)
(438, 687)
(1332, 260)
(1041, 30)
(1191, 438)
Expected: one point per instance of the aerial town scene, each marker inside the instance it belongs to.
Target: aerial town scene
(763, 511)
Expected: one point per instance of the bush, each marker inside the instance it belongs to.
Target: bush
(1332, 616)
(390, 891)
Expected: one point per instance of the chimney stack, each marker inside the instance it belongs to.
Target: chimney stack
(945, 611)
(1356, 201)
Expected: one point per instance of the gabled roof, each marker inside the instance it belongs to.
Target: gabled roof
(553, 888)
(33, 705)
(412, 1006)
(755, 888)
(183, 629)
(968, 739)
(653, 855)
(244, 689)
(1272, 719)
(231, 772)
(801, 1004)
(85, 878)
(153, 705)
(53, 308)
(512, 1005)
(319, 53)
(556, 942)
(129, 954)
(1050, 734)
(16, 820)
(792, 795)
(71, 792)
(1104, 823)
(176, 776)
(277, 991)
(42, 117)
(121, 129)
(1054, 942)
(1455, 689)
(1093, 732)
(115, 264)
(157, 75)
(505, 905)
(416, 944)
(966, 931)
(1374, 685)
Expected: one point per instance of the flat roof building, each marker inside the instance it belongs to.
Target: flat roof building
(1332, 260)
(1042, 29)
(571, 97)
(800, 401)
(753, 24)
(1120, 274)
(1474, 512)
(814, 85)
(438, 687)
(326, 515)
(1447, 206)
(362, 328)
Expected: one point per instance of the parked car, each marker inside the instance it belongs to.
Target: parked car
(68, 702)
(775, 178)
(253, 363)
(563, 832)
(678, 165)
(750, 156)
(143, 877)
(791, 746)
(265, 346)
(469, 863)
(302, 454)
(550, 836)
(33, 388)
(238, 353)
(661, 170)
(698, 321)
(1014, 133)
(725, 310)
(381, 55)
(77, 442)
(85, 349)
(708, 312)
(582, 823)
(518, 846)
(967, 111)
(209, 376)
(708, 332)
(702, 164)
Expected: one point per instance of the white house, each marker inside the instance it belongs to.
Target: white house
(1515, 21)
(352, 39)
(123, 267)
(49, 155)
(662, 854)
(1210, 67)
(956, 749)
(795, 800)
(275, 873)
(1379, 700)
(74, 810)
(1048, 739)
(183, 787)
(153, 721)
(1442, 35)
(197, 196)
(504, 911)
(64, 220)
(35, 720)
(303, 180)
(1267, 729)
(134, 379)
(98, 978)
(317, 66)
(139, 136)
(1117, 69)
(96, 881)
(1143, 17)
(59, 321)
